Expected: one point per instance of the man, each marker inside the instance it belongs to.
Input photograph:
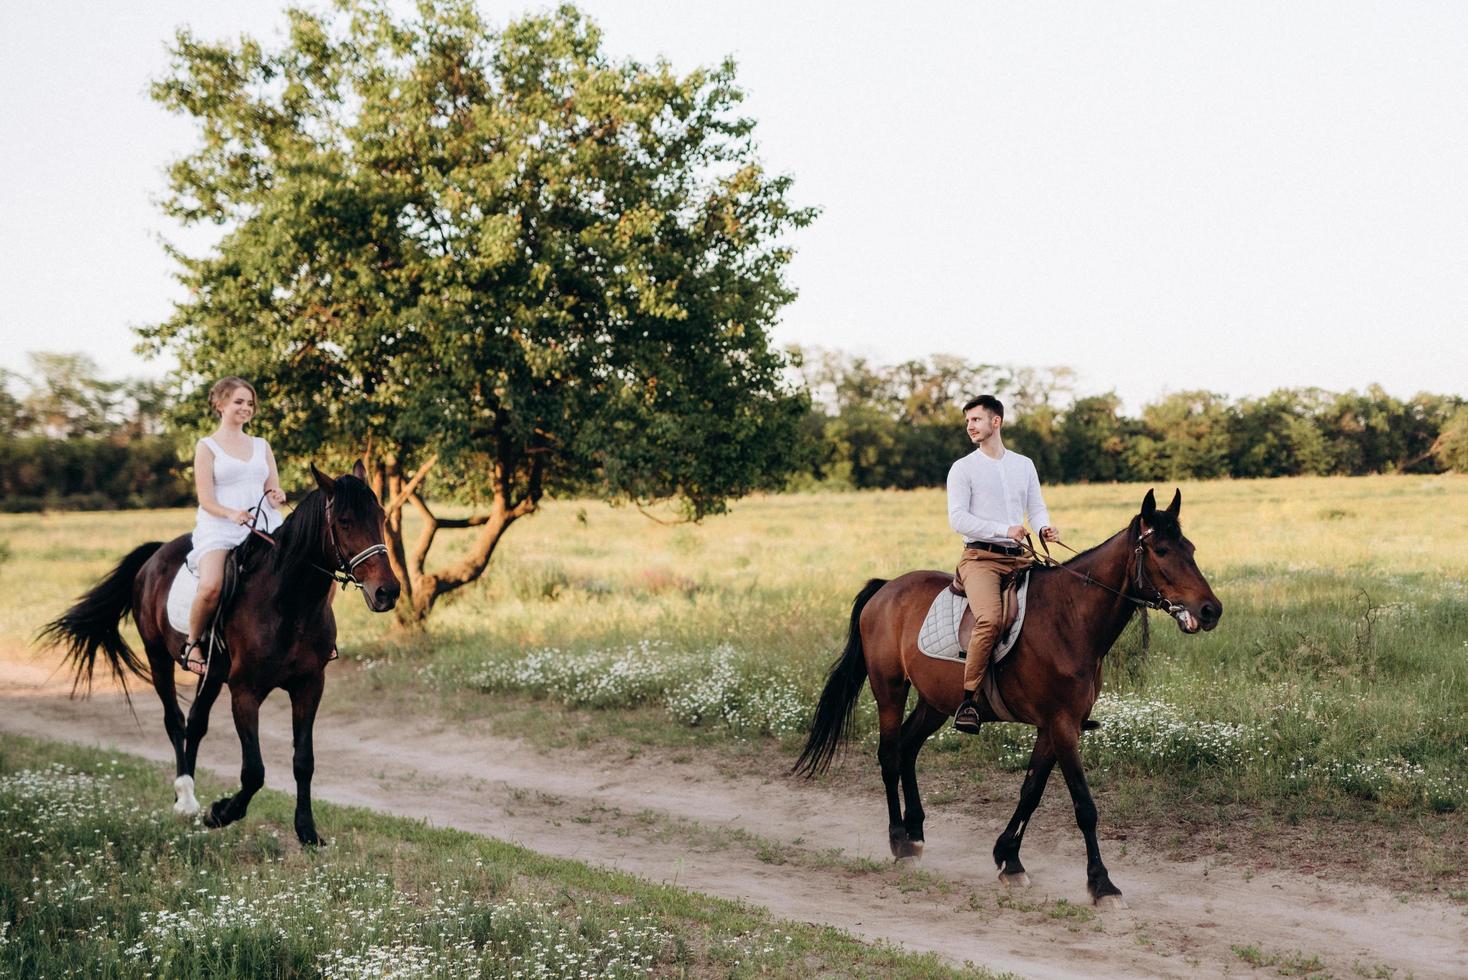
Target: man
(990, 492)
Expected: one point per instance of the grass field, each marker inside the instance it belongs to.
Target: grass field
(1339, 672)
(95, 880)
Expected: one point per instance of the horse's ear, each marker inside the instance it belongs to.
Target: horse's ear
(1149, 507)
(1177, 503)
(359, 471)
(326, 483)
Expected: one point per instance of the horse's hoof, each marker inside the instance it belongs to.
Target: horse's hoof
(905, 850)
(212, 818)
(1019, 880)
(1111, 903)
(184, 802)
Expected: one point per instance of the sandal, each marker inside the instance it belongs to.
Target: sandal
(191, 657)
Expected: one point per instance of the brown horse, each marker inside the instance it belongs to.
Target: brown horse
(1050, 680)
(279, 632)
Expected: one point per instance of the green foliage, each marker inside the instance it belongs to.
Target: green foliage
(93, 473)
(64, 396)
(1451, 448)
(552, 268)
(901, 427)
(508, 256)
(72, 440)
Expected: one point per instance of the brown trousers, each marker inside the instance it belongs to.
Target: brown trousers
(980, 572)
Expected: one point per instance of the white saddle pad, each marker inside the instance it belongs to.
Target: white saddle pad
(181, 598)
(938, 637)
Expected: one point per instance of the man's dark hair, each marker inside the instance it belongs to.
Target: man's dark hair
(987, 402)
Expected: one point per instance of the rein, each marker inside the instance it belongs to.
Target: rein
(1158, 600)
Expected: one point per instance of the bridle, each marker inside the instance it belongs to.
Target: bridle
(345, 572)
(1158, 600)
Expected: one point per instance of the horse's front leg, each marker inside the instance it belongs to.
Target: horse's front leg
(305, 698)
(246, 705)
(1006, 848)
(1068, 753)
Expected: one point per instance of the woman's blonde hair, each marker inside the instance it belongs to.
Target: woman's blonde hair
(224, 386)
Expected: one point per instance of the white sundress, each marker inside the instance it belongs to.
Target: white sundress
(238, 485)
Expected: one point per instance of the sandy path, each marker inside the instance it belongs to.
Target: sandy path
(767, 840)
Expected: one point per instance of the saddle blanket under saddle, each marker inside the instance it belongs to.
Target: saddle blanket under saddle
(939, 636)
(181, 597)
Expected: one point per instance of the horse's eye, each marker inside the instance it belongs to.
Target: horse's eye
(1160, 552)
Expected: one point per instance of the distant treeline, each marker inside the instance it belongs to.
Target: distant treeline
(69, 440)
(902, 426)
(72, 441)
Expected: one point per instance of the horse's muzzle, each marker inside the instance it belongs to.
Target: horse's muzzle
(383, 597)
(1207, 617)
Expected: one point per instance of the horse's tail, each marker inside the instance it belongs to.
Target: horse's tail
(833, 719)
(93, 624)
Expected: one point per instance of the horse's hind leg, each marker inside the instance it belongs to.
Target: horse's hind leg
(889, 753)
(161, 668)
(252, 768)
(920, 724)
(1098, 880)
(1006, 848)
(194, 731)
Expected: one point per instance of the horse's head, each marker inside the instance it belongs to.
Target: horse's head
(354, 535)
(1164, 568)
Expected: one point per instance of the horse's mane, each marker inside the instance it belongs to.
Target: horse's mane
(300, 538)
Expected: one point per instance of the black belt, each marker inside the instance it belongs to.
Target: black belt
(998, 549)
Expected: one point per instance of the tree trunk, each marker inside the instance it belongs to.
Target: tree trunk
(420, 587)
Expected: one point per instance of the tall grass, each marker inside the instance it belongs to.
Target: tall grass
(97, 878)
(1340, 666)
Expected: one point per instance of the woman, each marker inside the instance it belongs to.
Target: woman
(236, 479)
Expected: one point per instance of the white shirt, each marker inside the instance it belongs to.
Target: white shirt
(986, 497)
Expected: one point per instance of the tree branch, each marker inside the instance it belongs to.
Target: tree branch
(411, 487)
(425, 537)
(460, 522)
(658, 520)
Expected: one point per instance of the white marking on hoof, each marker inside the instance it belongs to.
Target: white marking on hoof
(184, 803)
(1111, 903)
(1021, 880)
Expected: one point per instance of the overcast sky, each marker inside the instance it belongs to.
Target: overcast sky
(1162, 196)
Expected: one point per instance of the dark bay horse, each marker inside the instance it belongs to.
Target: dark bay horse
(1050, 680)
(279, 632)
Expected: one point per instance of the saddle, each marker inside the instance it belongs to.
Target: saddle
(234, 571)
(1009, 586)
(184, 586)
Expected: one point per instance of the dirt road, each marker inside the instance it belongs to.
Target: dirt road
(798, 849)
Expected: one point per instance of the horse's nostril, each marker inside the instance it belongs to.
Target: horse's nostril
(1210, 612)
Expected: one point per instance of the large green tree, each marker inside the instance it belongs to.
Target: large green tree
(500, 263)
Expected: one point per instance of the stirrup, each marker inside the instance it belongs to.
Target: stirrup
(191, 655)
(966, 719)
